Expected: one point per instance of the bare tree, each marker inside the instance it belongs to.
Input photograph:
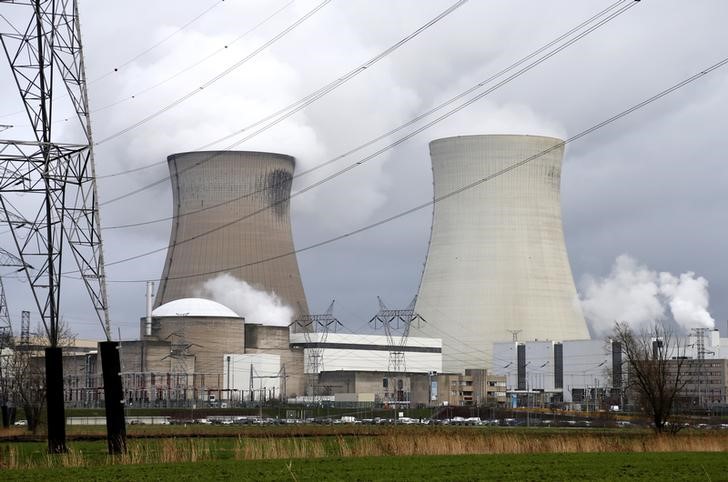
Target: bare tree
(27, 383)
(656, 372)
(25, 374)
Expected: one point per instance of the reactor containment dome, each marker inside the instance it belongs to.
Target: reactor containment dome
(195, 307)
(497, 262)
(231, 215)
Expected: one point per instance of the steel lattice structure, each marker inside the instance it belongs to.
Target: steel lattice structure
(7, 259)
(311, 325)
(57, 179)
(391, 320)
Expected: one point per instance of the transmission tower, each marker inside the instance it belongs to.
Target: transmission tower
(393, 321)
(700, 334)
(7, 259)
(57, 180)
(179, 351)
(514, 334)
(25, 330)
(316, 330)
(700, 342)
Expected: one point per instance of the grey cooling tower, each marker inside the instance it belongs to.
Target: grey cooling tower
(242, 200)
(497, 260)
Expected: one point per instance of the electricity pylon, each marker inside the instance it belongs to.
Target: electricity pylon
(55, 177)
(316, 330)
(391, 320)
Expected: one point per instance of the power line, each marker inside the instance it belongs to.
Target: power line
(409, 123)
(160, 42)
(219, 76)
(379, 152)
(133, 58)
(313, 96)
(192, 65)
(456, 192)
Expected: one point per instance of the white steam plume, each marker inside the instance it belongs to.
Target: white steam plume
(688, 299)
(635, 294)
(256, 306)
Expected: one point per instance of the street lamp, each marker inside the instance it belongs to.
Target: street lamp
(228, 378)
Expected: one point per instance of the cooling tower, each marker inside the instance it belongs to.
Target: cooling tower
(231, 211)
(497, 260)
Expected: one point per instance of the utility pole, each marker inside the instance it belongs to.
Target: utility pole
(250, 384)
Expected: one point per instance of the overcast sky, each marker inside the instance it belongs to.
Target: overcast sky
(652, 186)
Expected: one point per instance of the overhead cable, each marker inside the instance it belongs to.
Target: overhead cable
(409, 123)
(136, 56)
(192, 65)
(456, 192)
(313, 96)
(219, 76)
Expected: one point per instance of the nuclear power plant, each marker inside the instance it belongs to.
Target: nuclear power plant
(231, 215)
(216, 328)
(496, 320)
(497, 262)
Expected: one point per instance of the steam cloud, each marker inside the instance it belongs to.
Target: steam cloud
(254, 305)
(635, 294)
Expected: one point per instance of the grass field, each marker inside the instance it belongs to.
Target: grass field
(334, 442)
(594, 466)
(371, 453)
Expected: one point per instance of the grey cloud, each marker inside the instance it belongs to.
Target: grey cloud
(652, 185)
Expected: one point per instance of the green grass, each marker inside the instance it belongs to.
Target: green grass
(611, 466)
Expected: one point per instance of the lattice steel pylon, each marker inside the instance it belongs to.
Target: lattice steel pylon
(25, 330)
(7, 259)
(56, 178)
(6, 328)
(391, 320)
(179, 351)
(700, 350)
(316, 330)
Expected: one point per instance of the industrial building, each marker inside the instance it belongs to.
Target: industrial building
(594, 373)
(192, 349)
(341, 352)
(359, 368)
(569, 371)
(497, 261)
(475, 387)
(230, 215)
(496, 273)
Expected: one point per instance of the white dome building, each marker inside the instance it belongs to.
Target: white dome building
(195, 307)
(200, 332)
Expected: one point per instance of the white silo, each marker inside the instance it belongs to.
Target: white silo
(497, 261)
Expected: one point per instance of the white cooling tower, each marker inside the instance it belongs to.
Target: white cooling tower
(497, 260)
